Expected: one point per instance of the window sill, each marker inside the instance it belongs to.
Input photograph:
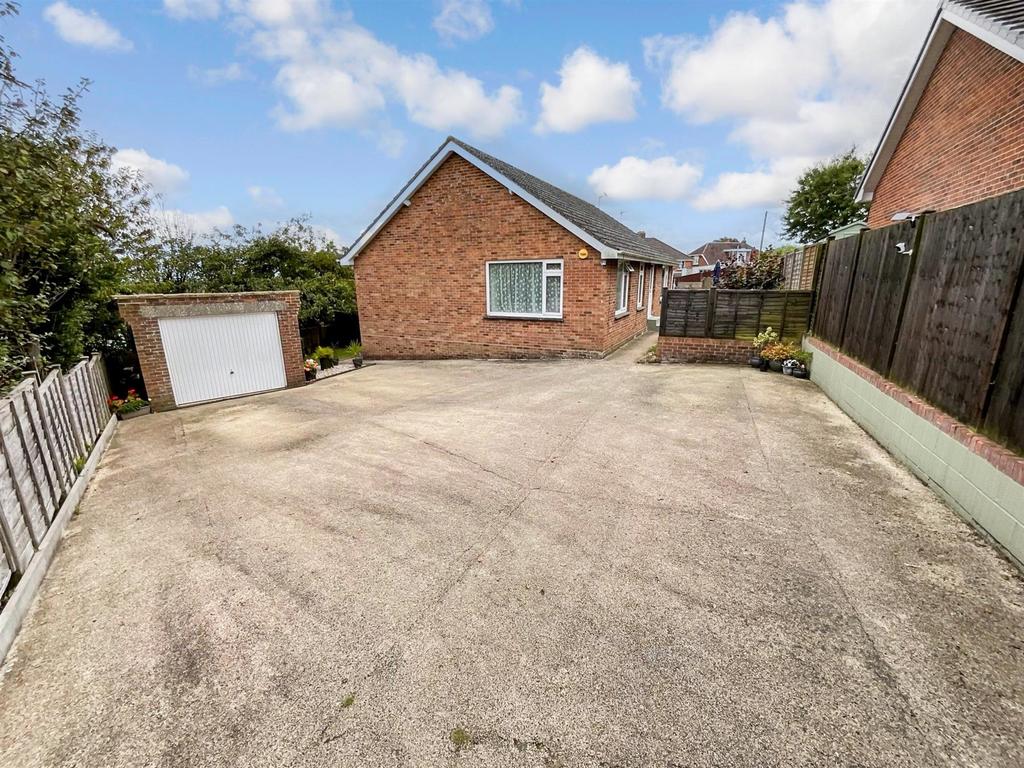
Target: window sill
(548, 318)
(621, 313)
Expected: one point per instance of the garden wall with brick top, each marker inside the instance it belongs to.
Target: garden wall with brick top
(687, 349)
(981, 479)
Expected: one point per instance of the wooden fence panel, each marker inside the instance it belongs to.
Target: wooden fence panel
(687, 313)
(737, 314)
(963, 286)
(840, 261)
(1005, 416)
(877, 295)
(46, 431)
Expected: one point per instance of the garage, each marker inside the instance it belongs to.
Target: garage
(196, 348)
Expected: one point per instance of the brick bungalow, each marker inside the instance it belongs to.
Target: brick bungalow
(477, 258)
(956, 135)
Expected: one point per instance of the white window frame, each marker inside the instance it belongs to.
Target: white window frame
(622, 307)
(640, 280)
(546, 272)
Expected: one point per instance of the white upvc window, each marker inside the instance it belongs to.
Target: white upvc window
(622, 296)
(640, 286)
(528, 288)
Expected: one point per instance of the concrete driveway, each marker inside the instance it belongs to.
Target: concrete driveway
(517, 564)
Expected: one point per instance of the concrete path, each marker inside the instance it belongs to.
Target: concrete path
(517, 564)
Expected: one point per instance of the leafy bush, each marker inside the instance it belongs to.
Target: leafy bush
(766, 337)
(779, 351)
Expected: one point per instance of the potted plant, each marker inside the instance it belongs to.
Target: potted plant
(325, 357)
(357, 361)
(310, 367)
(763, 339)
(797, 364)
(129, 406)
(776, 353)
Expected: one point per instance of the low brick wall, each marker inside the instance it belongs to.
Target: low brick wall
(686, 349)
(143, 312)
(980, 479)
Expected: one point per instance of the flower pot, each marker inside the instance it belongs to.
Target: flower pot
(310, 375)
(763, 366)
(775, 365)
(787, 370)
(754, 361)
(132, 414)
(357, 361)
(800, 373)
(326, 363)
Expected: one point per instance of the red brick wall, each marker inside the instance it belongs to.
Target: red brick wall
(146, 331)
(420, 283)
(683, 349)
(965, 140)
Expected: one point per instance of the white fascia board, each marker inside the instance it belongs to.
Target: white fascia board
(936, 41)
(451, 148)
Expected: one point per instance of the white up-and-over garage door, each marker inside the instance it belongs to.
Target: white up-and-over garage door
(210, 357)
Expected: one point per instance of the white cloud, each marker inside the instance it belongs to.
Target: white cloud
(229, 73)
(328, 234)
(278, 13)
(84, 28)
(265, 197)
(185, 223)
(192, 9)
(592, 90)
(344, 75)
(809, 82)
(633, 178)
(744, 189)
(463, 20)
(165, 178)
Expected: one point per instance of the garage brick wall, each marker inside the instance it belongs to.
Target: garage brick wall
(142, 314)
(965, 140)
(420, 283)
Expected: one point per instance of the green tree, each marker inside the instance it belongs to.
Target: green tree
(292, 257)
(764, 272)
(824, 199)
(68, 226)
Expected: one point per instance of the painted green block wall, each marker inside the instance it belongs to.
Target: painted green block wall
(979, 492)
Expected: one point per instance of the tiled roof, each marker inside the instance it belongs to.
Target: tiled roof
(584, 215)
(715, 250)
(1004, 18)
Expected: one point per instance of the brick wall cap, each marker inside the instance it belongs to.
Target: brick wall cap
(138, 298)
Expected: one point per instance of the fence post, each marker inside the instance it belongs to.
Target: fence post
(664, 312)
(918, 239)
(819, 270)
(709, 319)
(10, 543)
(785, 306)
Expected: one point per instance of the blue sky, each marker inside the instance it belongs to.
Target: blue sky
(685, 119)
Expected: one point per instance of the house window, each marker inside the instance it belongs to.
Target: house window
(524, 288)
(640, 287)
(622, 297)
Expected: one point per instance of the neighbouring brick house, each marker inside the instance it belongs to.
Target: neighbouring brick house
(477, 258)
(956, 135)
(695, 269)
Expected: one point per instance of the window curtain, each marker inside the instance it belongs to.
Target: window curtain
(518, 288)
